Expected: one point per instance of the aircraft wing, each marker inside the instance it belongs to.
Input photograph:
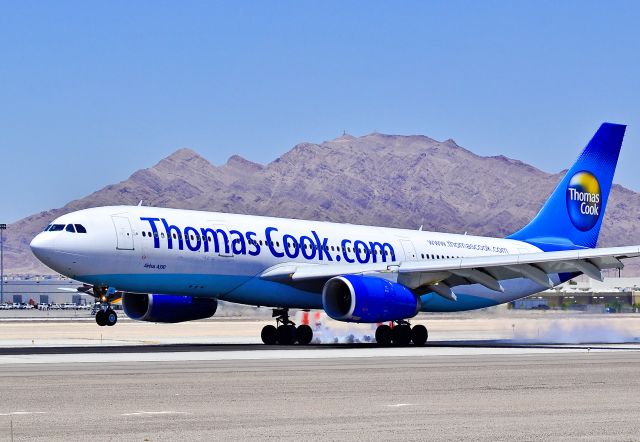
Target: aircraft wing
(441, 275)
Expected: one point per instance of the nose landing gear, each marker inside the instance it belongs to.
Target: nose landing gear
(286, 332)
(402, 334)
(105, 315)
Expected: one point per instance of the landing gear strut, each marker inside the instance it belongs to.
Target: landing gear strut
(402, 334)
(286, 332)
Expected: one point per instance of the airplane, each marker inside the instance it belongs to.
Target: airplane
(171, 265)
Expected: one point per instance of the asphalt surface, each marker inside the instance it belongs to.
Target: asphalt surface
(557, 394)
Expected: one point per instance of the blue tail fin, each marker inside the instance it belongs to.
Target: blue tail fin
(572, 216)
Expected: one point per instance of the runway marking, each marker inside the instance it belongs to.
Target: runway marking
(399, 405)
(22, 413)
(329, 353)
(152, 413)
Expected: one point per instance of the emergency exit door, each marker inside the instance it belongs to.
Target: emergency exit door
(409, 250)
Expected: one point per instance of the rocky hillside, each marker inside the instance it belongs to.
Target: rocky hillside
(387, 180)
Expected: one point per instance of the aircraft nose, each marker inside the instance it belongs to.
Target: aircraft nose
(42, 247)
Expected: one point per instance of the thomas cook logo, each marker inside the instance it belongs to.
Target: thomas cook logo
(584, 200)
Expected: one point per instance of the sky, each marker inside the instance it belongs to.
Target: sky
(92, 91)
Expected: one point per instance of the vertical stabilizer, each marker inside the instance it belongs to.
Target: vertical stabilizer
(572, 216)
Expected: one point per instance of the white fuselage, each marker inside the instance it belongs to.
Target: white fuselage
(209, 254)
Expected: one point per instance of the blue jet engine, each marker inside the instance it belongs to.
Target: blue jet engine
(167, 308)
(352, 298)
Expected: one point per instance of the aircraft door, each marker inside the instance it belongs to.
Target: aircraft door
(222, 250)
(124, 235)
(409, 250)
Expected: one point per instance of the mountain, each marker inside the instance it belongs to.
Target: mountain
(386, 180)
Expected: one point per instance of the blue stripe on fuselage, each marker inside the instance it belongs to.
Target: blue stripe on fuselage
(239, 289)
(251, 290)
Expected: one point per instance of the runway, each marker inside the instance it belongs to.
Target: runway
(335, 392)
(479, 378)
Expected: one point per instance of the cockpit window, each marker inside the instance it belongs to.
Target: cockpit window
(47, 228)
(56, 227)
(70, 228)
(80, 228)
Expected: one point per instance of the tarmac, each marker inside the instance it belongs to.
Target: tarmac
(476, 380)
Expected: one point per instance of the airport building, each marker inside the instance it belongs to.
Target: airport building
(47, 289)
(585, 294)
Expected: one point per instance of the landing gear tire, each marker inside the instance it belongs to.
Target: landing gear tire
(101, 319)
(110, 317)
(401, 335)
(419, 335)
(383, 335)
(286, 334)
(304, 334)
(269, 335)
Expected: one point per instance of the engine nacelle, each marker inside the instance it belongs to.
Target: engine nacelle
(351, 298)
(167, 308)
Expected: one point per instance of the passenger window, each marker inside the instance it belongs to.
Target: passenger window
(144, 234)
(70, 228)
(162, 235)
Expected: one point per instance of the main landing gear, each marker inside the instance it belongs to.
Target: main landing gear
(286, 332)
(402, 334)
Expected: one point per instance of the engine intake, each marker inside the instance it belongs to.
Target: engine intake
(167, 308)
(352, 298)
